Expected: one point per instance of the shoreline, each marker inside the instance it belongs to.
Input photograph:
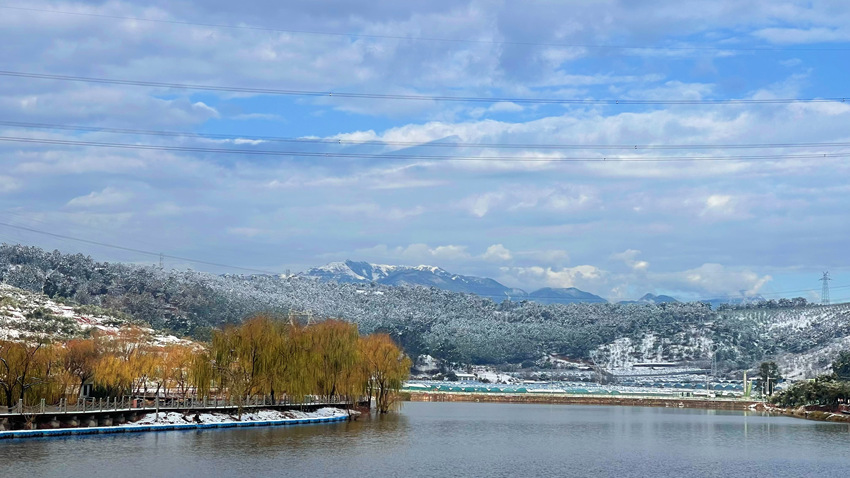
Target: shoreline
(572, 399)
(634, 401)
(806, 413)
(338, 415)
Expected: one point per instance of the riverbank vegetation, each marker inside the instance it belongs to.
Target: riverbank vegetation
(261, 357)
(828, 390)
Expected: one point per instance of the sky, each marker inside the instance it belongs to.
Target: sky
(621, 147)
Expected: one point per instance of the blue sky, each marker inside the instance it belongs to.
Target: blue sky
(694, 229)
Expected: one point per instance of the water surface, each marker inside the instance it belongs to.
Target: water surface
(463, 439)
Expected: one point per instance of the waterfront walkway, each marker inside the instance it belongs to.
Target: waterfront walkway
(109, 412)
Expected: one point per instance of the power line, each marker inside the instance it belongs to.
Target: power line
(429, 39)
(381, 96)
(349, 142)
(138, 251)
(515, 159)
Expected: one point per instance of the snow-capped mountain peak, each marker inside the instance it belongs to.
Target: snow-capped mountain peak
(433, 276)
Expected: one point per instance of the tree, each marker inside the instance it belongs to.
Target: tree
(333, 357)
(841, 366)
(23, 367)
(385, 367)
(768, 377)
(177, 368)
(79, 358)
(126, 362)
(244, 357)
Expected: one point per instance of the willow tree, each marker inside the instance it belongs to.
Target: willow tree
(127, 361)
(288, 373)
(203, 376)
(79, 359)
(177, 367)
(244, 357)
(386, 367)
(23, 368)
(333, 358)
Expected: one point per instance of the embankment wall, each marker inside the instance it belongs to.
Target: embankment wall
(672, 402)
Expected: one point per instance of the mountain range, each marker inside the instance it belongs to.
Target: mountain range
(651, 299)
(430, 276)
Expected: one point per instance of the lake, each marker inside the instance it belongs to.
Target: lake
(462, 439)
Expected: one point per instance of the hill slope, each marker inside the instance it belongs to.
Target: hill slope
(444, 324)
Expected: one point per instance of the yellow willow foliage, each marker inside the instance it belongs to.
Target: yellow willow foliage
(176, 368)
(114, 374)
(292, 376)
(333, 358)
(203, 376)
(127, 362)
(386, 368)
(79, 358)
(267, 357)
(243, 356)
(25, 372)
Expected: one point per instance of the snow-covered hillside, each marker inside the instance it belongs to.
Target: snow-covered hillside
(28, 316)
(444, 324)
(803, 341)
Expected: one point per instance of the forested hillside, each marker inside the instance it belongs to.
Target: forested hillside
(453, 326)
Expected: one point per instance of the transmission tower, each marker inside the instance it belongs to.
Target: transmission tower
(824, 295)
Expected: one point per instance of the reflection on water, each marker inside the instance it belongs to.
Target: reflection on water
(463, 439)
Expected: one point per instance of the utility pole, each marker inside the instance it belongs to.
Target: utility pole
(824, 295)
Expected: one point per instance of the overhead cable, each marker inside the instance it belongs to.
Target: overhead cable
(130, 249)
(431, 143)
(407, 97)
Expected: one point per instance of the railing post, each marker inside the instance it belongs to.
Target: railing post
(42, 405)
(20, 406)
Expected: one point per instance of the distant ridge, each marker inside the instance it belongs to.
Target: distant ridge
(570, 295)
(430, 276)
(651, 299)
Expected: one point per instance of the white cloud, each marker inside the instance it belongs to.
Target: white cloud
(629, 257)
(497, 253)
(582, 276)
(512, 198)
(418, 253)
(795, 36)
(374, 210)
(715, 279)
(109, 196)
(548, 257)
(8, 184)
(481, 204)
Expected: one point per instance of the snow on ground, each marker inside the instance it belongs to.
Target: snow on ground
(25, 315)
(814, 362)
(177, 418)
(485, 373)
